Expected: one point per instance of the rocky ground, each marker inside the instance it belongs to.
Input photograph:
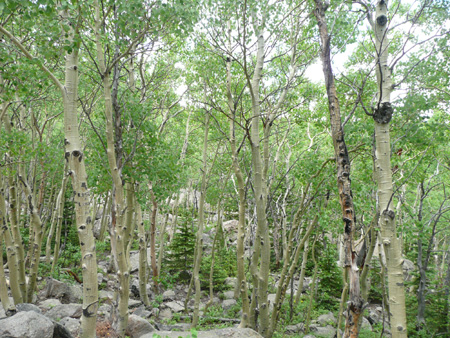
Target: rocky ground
(57, 312)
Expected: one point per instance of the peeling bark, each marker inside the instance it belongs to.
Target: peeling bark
(355, 302)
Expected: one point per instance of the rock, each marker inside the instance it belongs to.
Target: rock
(27, 307)
(294, 328)
(2, 312)
(169, 295)
(134, 262)
(99, 278)
(49, 303)
(174, 306)
(231, 282)
(408, 268)
(327, 331)
(165, 314)
(176, 327)
(59, 331)
(104, 310)
(207, 240)
(66, 293)
(134, 303)
(228, 295)
(271, 299)
(65, 310)
(27, 324)
(228, 304)
(230, 226)
(142, 312)
(230, 332)
(365, 325)
(325, 319)
(137, 327)
(309, 336)
(103, 294)
(71, 324)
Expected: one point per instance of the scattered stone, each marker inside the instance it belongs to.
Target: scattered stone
(104, 310)
(99, 278)
(65, 310)
(327, 331)
(141, 311)
(59, 331)
(169, 295)
(23, 307)
(408, 268)
(365, 325)
(230, 332)
(174, 306)
(134, 303)
(137, 327)
(66, 293)
(228, 304)
(294, 328)
(325, 319)
(228, 295)
(176, 327)
(309, 336)
(71, 324)
(27, 324)
(49, 303)
(103, 294)
(165, 314)
(231, 282)
(271, 299)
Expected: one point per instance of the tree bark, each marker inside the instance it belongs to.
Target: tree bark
(355, 303)
(382, 115)
(199, 241)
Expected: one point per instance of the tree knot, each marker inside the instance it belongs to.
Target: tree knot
(383, 113)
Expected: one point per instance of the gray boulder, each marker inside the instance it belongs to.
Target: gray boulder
(137, 327)
(228, 295)
(23, 307)
(327, 331)
(65, 310)
(27, 324)
(71, 324)
(49, 303)
(228, 304)
(169, 295)
(230, 332)
(325, 319)
(60, 331)
(174, 306)
(66, 293)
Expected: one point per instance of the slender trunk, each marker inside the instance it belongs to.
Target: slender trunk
(10, 251)
(14, 214)
(155, 271)
(199, 241)
(105, 217)
(240, 249)
(142, 257)
(118, 226)
(36, 225)
(75, 157)
(56, 223)
(302, 272)
(355, 303)
(261, 254)
(382, 116)
(7, 305)
(313, 286)
(162, 233)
